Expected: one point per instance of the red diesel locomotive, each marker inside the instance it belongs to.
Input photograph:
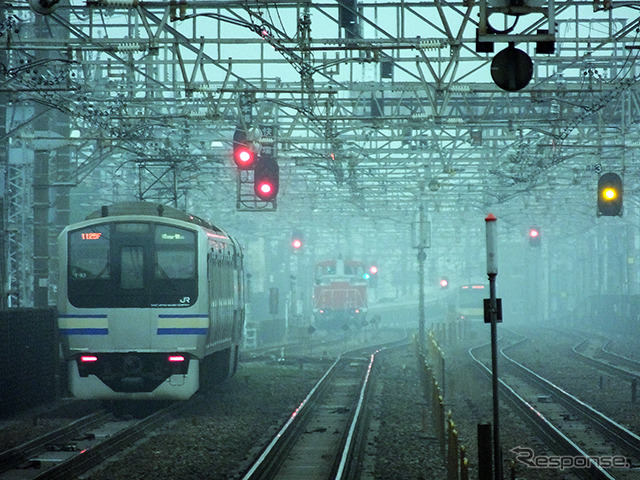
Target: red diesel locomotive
(340, 294)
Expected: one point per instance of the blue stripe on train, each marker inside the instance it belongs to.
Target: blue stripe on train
(182, 331)
(84, 331)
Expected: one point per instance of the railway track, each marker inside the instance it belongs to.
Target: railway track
(83, 444)
(322, 437)
(587, 442)
(595, 352)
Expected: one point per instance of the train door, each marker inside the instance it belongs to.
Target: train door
(133, 270)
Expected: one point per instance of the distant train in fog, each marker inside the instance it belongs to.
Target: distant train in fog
(470, 301)
(340, 294)
(151, 303)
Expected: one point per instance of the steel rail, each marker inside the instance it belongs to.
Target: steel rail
(617, 370)
(21, 453)
(552, 433)
(91, 455)
(269, 459)
(345, 464)
(112, 445)
(611, 428)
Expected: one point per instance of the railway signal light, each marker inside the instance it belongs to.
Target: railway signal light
(534, 236)
(244, 154)
(444, 282)
(610, 195)
(296, 241)
(372, 276)
(266, 181)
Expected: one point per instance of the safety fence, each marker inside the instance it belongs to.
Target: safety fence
(452, 331)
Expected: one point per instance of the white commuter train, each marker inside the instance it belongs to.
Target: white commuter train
(150, 301)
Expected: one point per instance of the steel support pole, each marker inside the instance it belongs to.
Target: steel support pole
(41, 228)
(492, 272)
(493, 308)
(421, 317)
(4, 165)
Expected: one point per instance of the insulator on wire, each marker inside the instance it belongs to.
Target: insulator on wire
(120, 3)
(429, 44)
(130, 47)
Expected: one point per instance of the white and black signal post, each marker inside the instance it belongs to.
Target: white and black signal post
(494, 315)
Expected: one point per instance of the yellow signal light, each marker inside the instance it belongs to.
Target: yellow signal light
(609, 194)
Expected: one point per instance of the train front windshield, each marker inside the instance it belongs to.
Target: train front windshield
(134, 265)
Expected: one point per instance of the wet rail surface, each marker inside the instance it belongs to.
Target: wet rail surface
(83, 444)
(587, 442)
(323, 436)
(596, 352)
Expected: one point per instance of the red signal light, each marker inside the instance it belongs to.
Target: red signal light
(534, 237)
(244, 155)
(373, 269)
(444, 283)
(264, 189)
(266, 179)
(296, 243)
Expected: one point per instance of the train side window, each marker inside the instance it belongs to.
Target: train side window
(175, 264)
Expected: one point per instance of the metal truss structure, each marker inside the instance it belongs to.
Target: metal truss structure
(380, 106)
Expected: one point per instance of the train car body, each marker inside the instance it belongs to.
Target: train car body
(340, 294)
(470, 301)
(150, 301)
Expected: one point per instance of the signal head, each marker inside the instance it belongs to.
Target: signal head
(266, 180)
(610, 193)
(244, 154)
